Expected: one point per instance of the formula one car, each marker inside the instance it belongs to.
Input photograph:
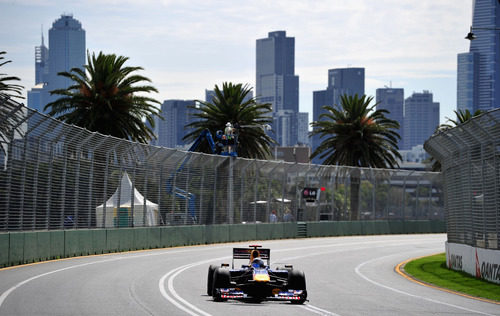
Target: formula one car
(256, 280)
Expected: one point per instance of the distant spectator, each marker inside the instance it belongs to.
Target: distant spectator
(288, 217)
(272, 217)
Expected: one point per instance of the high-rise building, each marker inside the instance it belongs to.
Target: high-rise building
(467, 81)
(392, 100)
(41, 63)
(171, 130)
(303, 129)
(421, 118)
(341, 81)
(209, 95)
(277, 84)
(478, 75)
(66, 51)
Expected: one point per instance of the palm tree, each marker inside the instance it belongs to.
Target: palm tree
(12, 90)
(232, 104)
(107, 98)
(462, 117)
(357, 135)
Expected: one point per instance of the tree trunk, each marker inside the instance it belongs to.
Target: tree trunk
(355, 185)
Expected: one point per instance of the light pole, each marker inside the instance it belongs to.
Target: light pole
(471, 36)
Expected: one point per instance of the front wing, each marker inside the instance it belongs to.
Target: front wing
(237, 294)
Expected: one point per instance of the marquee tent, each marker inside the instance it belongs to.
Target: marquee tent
(119, 211)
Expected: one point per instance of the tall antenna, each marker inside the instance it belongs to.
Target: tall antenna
(42, 35)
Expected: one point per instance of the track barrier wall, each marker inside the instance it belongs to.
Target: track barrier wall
(27, 247)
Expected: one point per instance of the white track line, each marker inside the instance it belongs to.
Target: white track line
(171, 275)
(358, 272)
(12, 289)
(318, 310)
(6, 293)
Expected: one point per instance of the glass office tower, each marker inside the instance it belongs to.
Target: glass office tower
(392, 100)
(478, 73)
(277, 84)
(66, 51)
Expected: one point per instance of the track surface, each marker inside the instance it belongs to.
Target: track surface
(345, 276)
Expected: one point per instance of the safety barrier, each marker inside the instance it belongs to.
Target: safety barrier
(27, 247)
(55, 176)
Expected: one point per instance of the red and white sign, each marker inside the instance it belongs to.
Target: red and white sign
(479, 262)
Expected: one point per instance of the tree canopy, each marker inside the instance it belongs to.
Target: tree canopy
(233, 104)
(108, 97)
(7, 88)
(356, 134)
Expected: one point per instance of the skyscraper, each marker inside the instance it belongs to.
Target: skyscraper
(392, 100)
(209, 95)
(41, 63)
(303, 129)
(421, 118)
(341, 81)
(177, 115)
(277, 84)
(478, 75)
(66, 51)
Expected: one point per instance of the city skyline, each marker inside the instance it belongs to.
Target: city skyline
(185, 59)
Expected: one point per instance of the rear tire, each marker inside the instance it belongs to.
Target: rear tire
(297, 281)
(210, 278)
(221, 279)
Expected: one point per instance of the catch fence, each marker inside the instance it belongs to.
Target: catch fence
(470, 159)
(59, 176)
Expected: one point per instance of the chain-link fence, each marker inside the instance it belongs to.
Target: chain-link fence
(470, 159)
(58, 176)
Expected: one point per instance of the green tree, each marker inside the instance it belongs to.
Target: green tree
(462, 117)
(107, 97)
(10, 89)
(356, 134)
(231, 104)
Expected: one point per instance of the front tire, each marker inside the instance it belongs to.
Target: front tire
(210, 278)
(221, 279)
(297, 281)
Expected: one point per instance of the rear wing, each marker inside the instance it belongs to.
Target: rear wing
(244, 253)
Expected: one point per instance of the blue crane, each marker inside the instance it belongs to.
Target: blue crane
(224, 146)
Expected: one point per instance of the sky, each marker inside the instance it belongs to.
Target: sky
(187, 46)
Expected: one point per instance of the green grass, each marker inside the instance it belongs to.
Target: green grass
(433, 270)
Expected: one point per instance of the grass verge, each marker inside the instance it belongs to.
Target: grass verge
(433, 270)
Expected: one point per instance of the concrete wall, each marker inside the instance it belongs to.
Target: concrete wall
(33, 246)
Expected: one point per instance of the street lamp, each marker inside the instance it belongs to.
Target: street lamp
(471, 36)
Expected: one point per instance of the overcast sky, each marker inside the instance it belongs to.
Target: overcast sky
(186, 47)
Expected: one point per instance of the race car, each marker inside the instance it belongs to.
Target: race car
(256, 280)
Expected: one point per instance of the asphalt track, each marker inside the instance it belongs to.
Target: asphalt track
(345, 276)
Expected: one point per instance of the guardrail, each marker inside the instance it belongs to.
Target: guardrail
(27, 247)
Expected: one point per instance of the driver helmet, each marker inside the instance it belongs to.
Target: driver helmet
(258, 263)
(228, 124)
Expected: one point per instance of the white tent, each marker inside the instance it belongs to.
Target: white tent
(145, 213)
